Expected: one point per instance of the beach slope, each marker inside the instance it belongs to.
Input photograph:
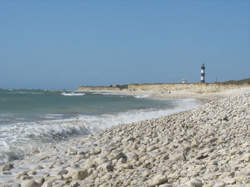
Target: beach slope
(206, 146)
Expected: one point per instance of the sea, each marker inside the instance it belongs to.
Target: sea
(33, 118)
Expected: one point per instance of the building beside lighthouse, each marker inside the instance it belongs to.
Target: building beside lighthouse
(203, 73)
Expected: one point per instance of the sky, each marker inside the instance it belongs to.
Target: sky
(62, 44)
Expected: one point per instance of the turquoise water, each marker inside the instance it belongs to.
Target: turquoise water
(33, 118)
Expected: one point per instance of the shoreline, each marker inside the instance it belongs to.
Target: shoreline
(77, 159)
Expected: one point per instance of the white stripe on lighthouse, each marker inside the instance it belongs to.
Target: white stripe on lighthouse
(202, 70)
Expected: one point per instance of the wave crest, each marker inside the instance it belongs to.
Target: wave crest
(72, 94)
(20, 138)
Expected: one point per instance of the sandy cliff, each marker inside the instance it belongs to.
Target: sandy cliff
(195, 90)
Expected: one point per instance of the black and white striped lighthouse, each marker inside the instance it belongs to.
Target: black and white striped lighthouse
(202, 73)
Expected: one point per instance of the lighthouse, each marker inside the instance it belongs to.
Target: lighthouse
(203, 73)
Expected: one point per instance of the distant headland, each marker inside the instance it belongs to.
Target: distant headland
(169, 88)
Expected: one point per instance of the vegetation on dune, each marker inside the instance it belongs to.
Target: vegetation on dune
(243, 81)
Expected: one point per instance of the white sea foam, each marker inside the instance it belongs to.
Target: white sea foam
(51, 116)
(72, 94)
(142, 96)
(101, 122)
(20, 138)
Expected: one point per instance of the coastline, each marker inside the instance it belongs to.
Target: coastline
(121, 154)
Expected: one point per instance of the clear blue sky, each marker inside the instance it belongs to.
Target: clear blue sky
(56, 44)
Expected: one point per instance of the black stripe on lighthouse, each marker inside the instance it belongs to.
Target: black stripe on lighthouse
(203, 73)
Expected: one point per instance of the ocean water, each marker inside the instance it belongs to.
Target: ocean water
(33, 118)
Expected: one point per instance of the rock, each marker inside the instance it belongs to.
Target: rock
(246, 171)
(25, 177)
(202, 156)
(151, 148)
(195, 143)
(178, 156)
(107, 177)
(219, 184)
(10, 185)
(7, 167)
(157, 180)
(246, 157)
(229, 180)
(89, 163)
(30, 183)
(166, 185)
(6, 173)
(77, 174)
(19, 175)
(100, 160)
(62, 172)
(225, 118)
(96, 151)
(145, 172)
(125, 166)
(38, 167)
(49, 181)
(40, 180)
(109, 167)
(74, 184)
(32, 172)
(195, 183)
(47, 184)
(44, 158)
(121, 156)
(132, 156)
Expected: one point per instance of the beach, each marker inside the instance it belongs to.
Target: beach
(205, 146)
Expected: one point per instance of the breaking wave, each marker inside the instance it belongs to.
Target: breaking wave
(72, 94)
(20, 138)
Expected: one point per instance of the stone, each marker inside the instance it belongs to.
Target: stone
(74, 184)
(229, 180)
(246, 157)
(158, 180)
(40, 180)
(145, 173)
(62, 172)
(125, 166)
(47, 184)
(49, 181)
(32, 172)
(77, 174)
(178, 156)
(89, 163)
(166, 185)
(38, 167)
(151, 148)
(100, 160)
(7, 167)
(219, 184)
(121, 156)
(30, 183)
(109, 167)
(132, 156)
(25, 177)
(246, 171)
(195, 183)
(10, 185)
(202, 156)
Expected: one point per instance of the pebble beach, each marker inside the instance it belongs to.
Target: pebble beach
(208, 146)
